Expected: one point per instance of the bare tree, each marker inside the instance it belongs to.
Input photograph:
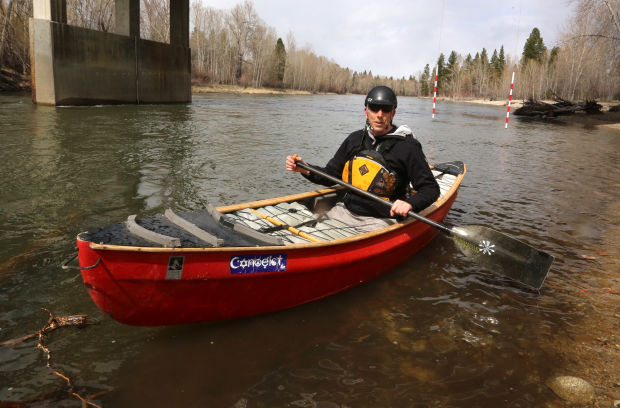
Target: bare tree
(155, 20)
(244, 22)
(5, 25)
(14, 37)
(92, 14)
(588, 62)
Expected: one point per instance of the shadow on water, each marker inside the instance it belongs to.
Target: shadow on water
(436, 331)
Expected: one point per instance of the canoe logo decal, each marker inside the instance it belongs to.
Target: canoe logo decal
(175, 267)
(257, 263)
(486, 247)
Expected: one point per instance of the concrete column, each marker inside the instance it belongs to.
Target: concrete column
(179, 23)
(45, 13)
(50, 10)
(127, 17)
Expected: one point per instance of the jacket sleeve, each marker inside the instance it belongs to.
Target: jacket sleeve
(421, 178)
(336, 164)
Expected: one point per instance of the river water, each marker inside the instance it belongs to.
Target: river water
(435, 331)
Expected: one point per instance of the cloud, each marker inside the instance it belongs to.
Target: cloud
(398, 37)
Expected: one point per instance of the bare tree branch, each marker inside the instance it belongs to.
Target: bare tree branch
(613, 15)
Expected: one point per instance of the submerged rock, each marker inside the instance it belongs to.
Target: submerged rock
(573, 389)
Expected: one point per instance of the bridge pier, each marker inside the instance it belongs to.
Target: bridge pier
(78, 66)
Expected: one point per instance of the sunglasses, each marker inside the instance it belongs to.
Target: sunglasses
(384, 108)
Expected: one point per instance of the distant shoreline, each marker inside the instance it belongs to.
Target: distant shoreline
(515, 103)
(236, 89)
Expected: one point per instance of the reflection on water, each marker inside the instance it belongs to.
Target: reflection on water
(436, 331)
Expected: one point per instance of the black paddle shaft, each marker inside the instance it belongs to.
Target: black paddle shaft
(495, 251)
(371, 196)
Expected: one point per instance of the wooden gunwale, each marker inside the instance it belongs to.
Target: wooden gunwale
(273, 201)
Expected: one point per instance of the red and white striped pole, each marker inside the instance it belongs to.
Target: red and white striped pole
(512, 83)
(435, 91)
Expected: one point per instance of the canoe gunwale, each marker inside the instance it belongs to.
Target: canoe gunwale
(294, 197)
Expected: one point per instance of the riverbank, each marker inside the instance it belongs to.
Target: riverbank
(518, 103)
(13, 81)
(235, 89)
(607, 118)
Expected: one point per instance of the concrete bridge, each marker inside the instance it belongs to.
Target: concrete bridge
(78, 66)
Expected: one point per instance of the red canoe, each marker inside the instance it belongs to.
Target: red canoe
(243, 259)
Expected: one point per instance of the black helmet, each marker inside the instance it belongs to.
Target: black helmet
(381, 95)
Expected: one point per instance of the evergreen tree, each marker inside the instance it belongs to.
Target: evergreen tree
(501, 61)
(451, 73)
(452, 61)
(534, 48)
(484, 57)
(441, 65)
(553, 55)
(469, 62)
(280, 61)
(498, 62)
(452, 66)
(440, 72)
(494, 60)
(424, 81)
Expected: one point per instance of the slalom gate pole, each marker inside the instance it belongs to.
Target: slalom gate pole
(512, 83)
(435, 91)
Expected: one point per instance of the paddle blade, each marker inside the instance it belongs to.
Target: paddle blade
(503, 254)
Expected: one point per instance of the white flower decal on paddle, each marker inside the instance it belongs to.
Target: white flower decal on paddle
(486, 247)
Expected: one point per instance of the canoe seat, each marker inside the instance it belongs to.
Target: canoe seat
(295, 222)
(164, 240)
(252, 221)
(193, 229)
(238, 227)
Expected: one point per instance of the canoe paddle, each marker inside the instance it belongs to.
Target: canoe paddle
(495, 251)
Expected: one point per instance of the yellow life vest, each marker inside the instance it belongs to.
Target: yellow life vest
(367, 171)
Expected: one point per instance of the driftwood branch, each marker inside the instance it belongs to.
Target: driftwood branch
(53, 323)
(559, 108)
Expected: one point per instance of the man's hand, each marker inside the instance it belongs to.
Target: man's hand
(291, 164)
(400, 207)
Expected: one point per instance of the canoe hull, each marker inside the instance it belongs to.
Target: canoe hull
(178, 286)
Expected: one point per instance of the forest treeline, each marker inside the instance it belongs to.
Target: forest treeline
(236, 47)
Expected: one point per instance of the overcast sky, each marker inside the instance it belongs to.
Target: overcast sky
(398, 37)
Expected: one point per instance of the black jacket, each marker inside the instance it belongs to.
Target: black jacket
(405, 157)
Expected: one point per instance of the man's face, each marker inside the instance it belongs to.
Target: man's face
(380, 118)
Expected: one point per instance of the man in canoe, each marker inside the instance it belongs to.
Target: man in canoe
(383, 159)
